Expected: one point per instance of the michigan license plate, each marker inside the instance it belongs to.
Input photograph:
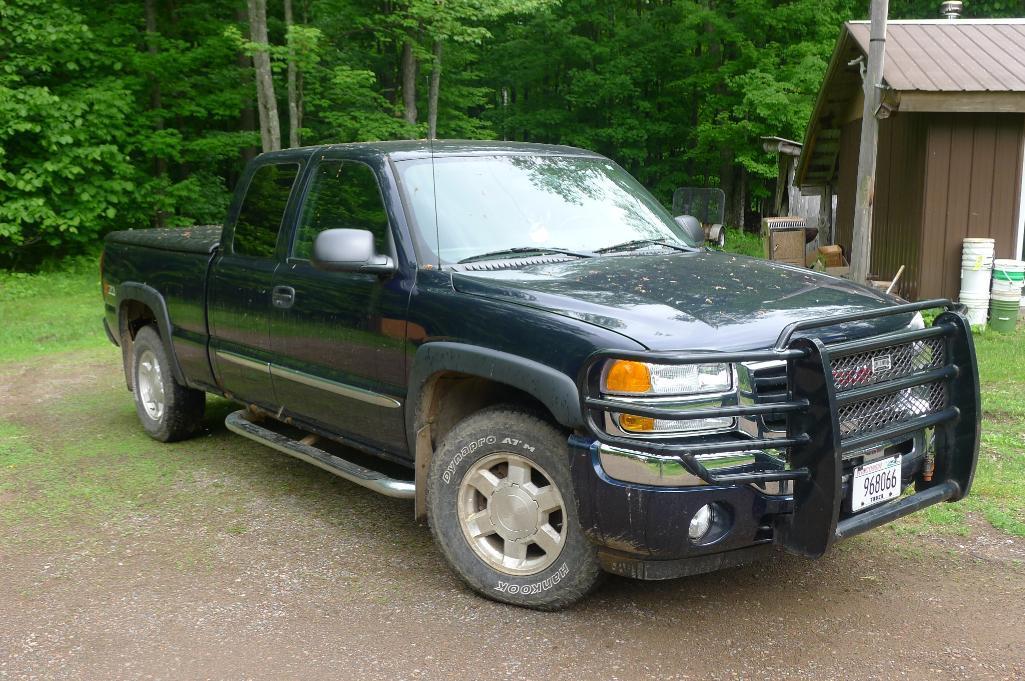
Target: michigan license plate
(876, 482)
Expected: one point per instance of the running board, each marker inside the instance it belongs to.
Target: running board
(353, 472)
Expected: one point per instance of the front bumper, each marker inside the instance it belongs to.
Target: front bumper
(800, 504)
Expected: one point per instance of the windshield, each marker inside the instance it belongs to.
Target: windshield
(471, 207)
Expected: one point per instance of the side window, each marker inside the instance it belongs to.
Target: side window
(343, 194)
(259, 219)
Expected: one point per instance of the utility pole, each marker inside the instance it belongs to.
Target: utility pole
(861, 247)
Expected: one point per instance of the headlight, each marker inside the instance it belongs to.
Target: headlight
(641, 379)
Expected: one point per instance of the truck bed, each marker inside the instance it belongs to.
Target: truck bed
(172, 264)
(195, 239)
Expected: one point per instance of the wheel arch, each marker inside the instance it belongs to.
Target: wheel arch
(452, 380)
(139, 305)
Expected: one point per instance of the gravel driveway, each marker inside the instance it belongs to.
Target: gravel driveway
(221, 559)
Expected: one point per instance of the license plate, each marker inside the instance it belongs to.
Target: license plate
(876, 482)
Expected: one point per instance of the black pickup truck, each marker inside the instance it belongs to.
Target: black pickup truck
(564, 380)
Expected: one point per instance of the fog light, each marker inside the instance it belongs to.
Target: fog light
(701, 523)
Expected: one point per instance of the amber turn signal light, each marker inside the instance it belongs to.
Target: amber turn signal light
(636, 424)
(625, 376)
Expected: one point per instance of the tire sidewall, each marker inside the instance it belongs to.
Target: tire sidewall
(147, 339)
(496, 431)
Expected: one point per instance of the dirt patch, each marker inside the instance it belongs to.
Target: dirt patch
(28, 388)
(218, 558)
(983, 542)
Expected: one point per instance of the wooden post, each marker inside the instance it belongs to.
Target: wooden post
(861, 246)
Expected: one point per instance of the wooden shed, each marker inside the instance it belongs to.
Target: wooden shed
(951, 136)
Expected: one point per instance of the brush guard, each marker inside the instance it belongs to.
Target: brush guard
(815, 440)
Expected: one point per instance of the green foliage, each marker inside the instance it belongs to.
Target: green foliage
(105, 125)
(744, 243)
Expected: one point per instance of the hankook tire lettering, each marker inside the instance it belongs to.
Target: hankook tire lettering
(535, 588)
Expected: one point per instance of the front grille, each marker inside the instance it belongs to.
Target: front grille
(886, 364)
(875, 413)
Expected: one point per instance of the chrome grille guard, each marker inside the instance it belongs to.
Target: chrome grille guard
(814, 441)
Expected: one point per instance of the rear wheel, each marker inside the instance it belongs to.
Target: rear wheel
(168, 411)
(502, 509)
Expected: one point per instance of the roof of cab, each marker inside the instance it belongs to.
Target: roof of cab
(401, 150)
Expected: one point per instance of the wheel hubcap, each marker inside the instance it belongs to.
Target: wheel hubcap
(512, 514)
(149, 384)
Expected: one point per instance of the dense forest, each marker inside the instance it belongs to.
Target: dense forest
(136, 113)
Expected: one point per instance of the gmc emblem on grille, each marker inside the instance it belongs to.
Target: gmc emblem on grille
(881, 363)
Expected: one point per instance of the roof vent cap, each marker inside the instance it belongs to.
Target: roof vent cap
(951, 9)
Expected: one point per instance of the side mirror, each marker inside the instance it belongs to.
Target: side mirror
(349, 250)
(692, 229)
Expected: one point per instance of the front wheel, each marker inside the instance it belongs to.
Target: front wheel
(168, 411)
(501, 507)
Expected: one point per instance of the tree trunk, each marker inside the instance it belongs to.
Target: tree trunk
(408, 82)
(247, 116)
(432, 95)
(294, 104)
(267, 103)
(155, 99)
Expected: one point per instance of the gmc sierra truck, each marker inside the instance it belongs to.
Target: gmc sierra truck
(524, 342)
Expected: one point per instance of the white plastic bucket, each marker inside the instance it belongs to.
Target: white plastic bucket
(979, 244)
(975, 279)
(1009, 273)
(976, 265)
(1007, 295)
(978, 306)
(1007, 287)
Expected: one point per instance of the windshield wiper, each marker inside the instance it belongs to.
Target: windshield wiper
(541, 250)
(640, 243)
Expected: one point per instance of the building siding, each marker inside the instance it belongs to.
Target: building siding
(972, 189)
(897, 212)
(939, 178)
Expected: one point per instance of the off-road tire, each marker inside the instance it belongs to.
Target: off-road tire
(497, 431)
(183, 407)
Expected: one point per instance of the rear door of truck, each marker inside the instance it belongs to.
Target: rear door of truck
(239, 305)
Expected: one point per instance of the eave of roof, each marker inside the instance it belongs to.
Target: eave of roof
(979, 67)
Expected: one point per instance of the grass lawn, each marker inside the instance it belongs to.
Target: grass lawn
(50, 312)
(54, 320)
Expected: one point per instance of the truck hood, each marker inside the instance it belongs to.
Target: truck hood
(695, 300)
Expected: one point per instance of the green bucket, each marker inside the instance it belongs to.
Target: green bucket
(1003, 315)
(1005, 275)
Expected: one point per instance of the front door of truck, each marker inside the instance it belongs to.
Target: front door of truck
(338, 337)
(239, 301)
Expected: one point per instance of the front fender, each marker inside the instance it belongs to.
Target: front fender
(551, 387)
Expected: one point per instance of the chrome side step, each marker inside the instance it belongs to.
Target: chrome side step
(353, 472)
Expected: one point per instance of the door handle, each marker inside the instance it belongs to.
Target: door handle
(282, 297)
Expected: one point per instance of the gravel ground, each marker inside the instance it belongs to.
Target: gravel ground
(244, 564)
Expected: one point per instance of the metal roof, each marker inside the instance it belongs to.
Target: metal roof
(944, 55)
(931, 65)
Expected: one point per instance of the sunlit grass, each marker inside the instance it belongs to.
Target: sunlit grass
(50, 312)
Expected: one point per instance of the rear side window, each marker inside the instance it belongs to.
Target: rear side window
(343, 194)
(259, 219)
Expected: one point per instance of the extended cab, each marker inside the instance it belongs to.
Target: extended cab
(564, 380)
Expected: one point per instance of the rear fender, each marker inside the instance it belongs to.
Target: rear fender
(151, 298)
